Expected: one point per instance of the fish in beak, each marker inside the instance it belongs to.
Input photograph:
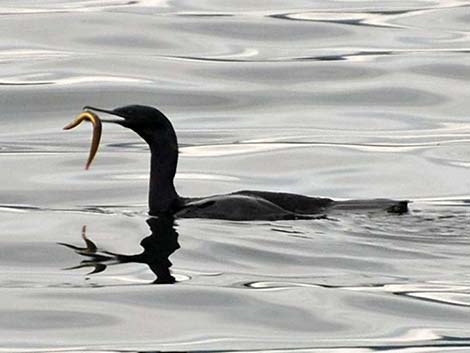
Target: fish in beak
(95, 140)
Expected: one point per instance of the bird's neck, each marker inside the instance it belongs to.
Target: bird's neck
(163, 197)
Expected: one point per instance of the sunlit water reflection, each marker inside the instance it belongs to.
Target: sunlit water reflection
(328, 98)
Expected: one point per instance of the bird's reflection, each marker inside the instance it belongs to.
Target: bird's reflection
(158, 246)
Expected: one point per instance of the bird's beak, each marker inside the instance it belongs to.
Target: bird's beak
(112, 112)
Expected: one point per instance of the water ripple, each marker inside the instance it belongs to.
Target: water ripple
(350, 19)
(347, 54)
(79, 80)
(77, 6)
(344, 99)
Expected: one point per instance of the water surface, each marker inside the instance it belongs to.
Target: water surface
(345, 99)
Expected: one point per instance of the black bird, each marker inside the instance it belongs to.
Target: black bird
(155, 128)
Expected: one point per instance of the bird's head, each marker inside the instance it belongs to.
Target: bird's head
(148, 122)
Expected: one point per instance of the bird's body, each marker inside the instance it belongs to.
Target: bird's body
(248, 205)
(155, 128)
(244, 206)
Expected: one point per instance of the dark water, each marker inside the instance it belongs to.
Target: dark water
(346, 99)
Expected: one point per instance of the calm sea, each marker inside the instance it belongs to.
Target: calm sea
(345, 99)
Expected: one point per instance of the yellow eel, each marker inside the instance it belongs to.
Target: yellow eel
(95, 140)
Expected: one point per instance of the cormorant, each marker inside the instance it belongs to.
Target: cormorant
(157, 131)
